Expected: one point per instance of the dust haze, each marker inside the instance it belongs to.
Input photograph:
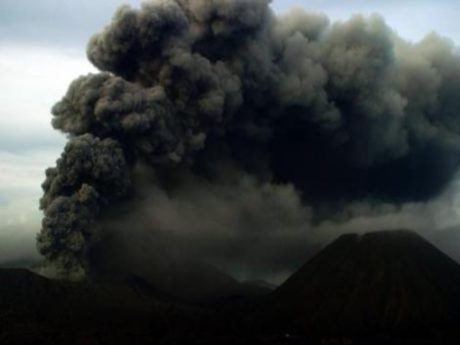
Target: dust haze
(227, 133)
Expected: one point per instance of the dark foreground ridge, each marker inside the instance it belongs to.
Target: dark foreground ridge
(37, 310)
(381, 281)
(389, 287)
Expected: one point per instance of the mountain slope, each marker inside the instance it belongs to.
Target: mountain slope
(35, 310)
(376, 281)
(180, 277)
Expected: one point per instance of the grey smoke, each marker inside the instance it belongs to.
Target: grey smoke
(270, 124)
(71, 203)
(236, 223)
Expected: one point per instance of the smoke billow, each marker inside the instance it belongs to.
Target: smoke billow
(248, 128)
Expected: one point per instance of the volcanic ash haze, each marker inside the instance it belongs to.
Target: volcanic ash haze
(220, 128)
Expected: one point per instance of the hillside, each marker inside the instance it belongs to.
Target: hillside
(378, 288)
(381, 281)
(36, 310)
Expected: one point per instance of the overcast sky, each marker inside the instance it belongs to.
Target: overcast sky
(42, 49)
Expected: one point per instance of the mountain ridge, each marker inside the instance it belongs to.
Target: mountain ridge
(375, 281)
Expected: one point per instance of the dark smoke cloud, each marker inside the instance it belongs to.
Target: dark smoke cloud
(269, 123)
(234, 222)
(90, 174)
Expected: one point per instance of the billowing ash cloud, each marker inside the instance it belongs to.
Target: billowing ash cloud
(266, 121)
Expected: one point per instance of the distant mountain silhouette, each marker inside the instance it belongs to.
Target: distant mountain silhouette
(179, 277)
(365, 287)
(36, 310)
(388, 280)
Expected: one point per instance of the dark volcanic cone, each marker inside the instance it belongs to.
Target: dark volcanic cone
(381, 281)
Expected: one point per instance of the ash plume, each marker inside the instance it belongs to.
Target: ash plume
(245, 113)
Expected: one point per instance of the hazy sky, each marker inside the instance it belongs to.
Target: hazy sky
(42, 49)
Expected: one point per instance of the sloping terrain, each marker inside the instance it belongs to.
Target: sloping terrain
(179, 277)
(378, 288)
(389, 280)
(382, 281)
(37, 310)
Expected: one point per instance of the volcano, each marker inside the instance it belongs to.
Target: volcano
(375, 282)
(393, 284)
